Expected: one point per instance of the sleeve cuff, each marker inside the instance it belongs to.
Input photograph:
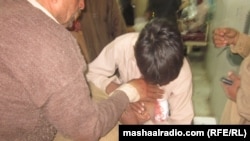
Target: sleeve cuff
(130, 91)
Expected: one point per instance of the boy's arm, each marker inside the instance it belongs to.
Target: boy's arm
(101, 70)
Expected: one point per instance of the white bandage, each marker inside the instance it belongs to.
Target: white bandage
(130, 91)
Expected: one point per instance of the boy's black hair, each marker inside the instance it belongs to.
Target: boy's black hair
(159, 51)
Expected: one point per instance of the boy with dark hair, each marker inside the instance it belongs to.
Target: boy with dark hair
(158, 48)
(156, 54)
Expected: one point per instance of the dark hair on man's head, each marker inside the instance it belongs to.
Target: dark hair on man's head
(159, 51)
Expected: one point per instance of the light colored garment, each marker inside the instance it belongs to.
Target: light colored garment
(239, 112)
(120, 54)
(198, 20)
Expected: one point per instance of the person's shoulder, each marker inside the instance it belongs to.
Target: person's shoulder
(125, 42)
(186, 68)
(127, 37)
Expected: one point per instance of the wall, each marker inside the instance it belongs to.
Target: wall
(230, 13)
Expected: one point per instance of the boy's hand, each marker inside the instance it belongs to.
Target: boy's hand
(135, 113)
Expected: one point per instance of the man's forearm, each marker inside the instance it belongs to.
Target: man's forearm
(111, 87)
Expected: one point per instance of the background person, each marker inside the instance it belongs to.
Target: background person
(128, 12)
(196, 18)
(164, 9)
(159, 9)
(101, 22)
(237, 107)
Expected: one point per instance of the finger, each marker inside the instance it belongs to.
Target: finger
(229, 40)
(148, 99)
(141, 118)
(219, 43)
(219, 38)
(234, 77)
(154, 92)
(145, 116)
(231, 76)
(154, 89)
(219, 31)
(231, 36)
(138, 107)
(154, 95)
(230, 33)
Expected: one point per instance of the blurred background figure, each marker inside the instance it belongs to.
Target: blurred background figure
(184, 4)
(101, 21)
(164, 9)
(236, 110)
(194, 17)
(128, 13)
(161, 9)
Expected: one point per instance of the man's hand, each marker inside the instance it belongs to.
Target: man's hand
(135, 113)
(231, 90)
(111, 87)
(147, 91)
(225, 36)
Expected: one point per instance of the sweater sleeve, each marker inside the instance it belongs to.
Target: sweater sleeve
(242, 46)
(243, 96)
(75, 115)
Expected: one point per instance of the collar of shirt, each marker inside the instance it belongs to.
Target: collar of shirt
(44, 10)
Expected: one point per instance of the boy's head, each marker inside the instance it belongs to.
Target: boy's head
(159, 51)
